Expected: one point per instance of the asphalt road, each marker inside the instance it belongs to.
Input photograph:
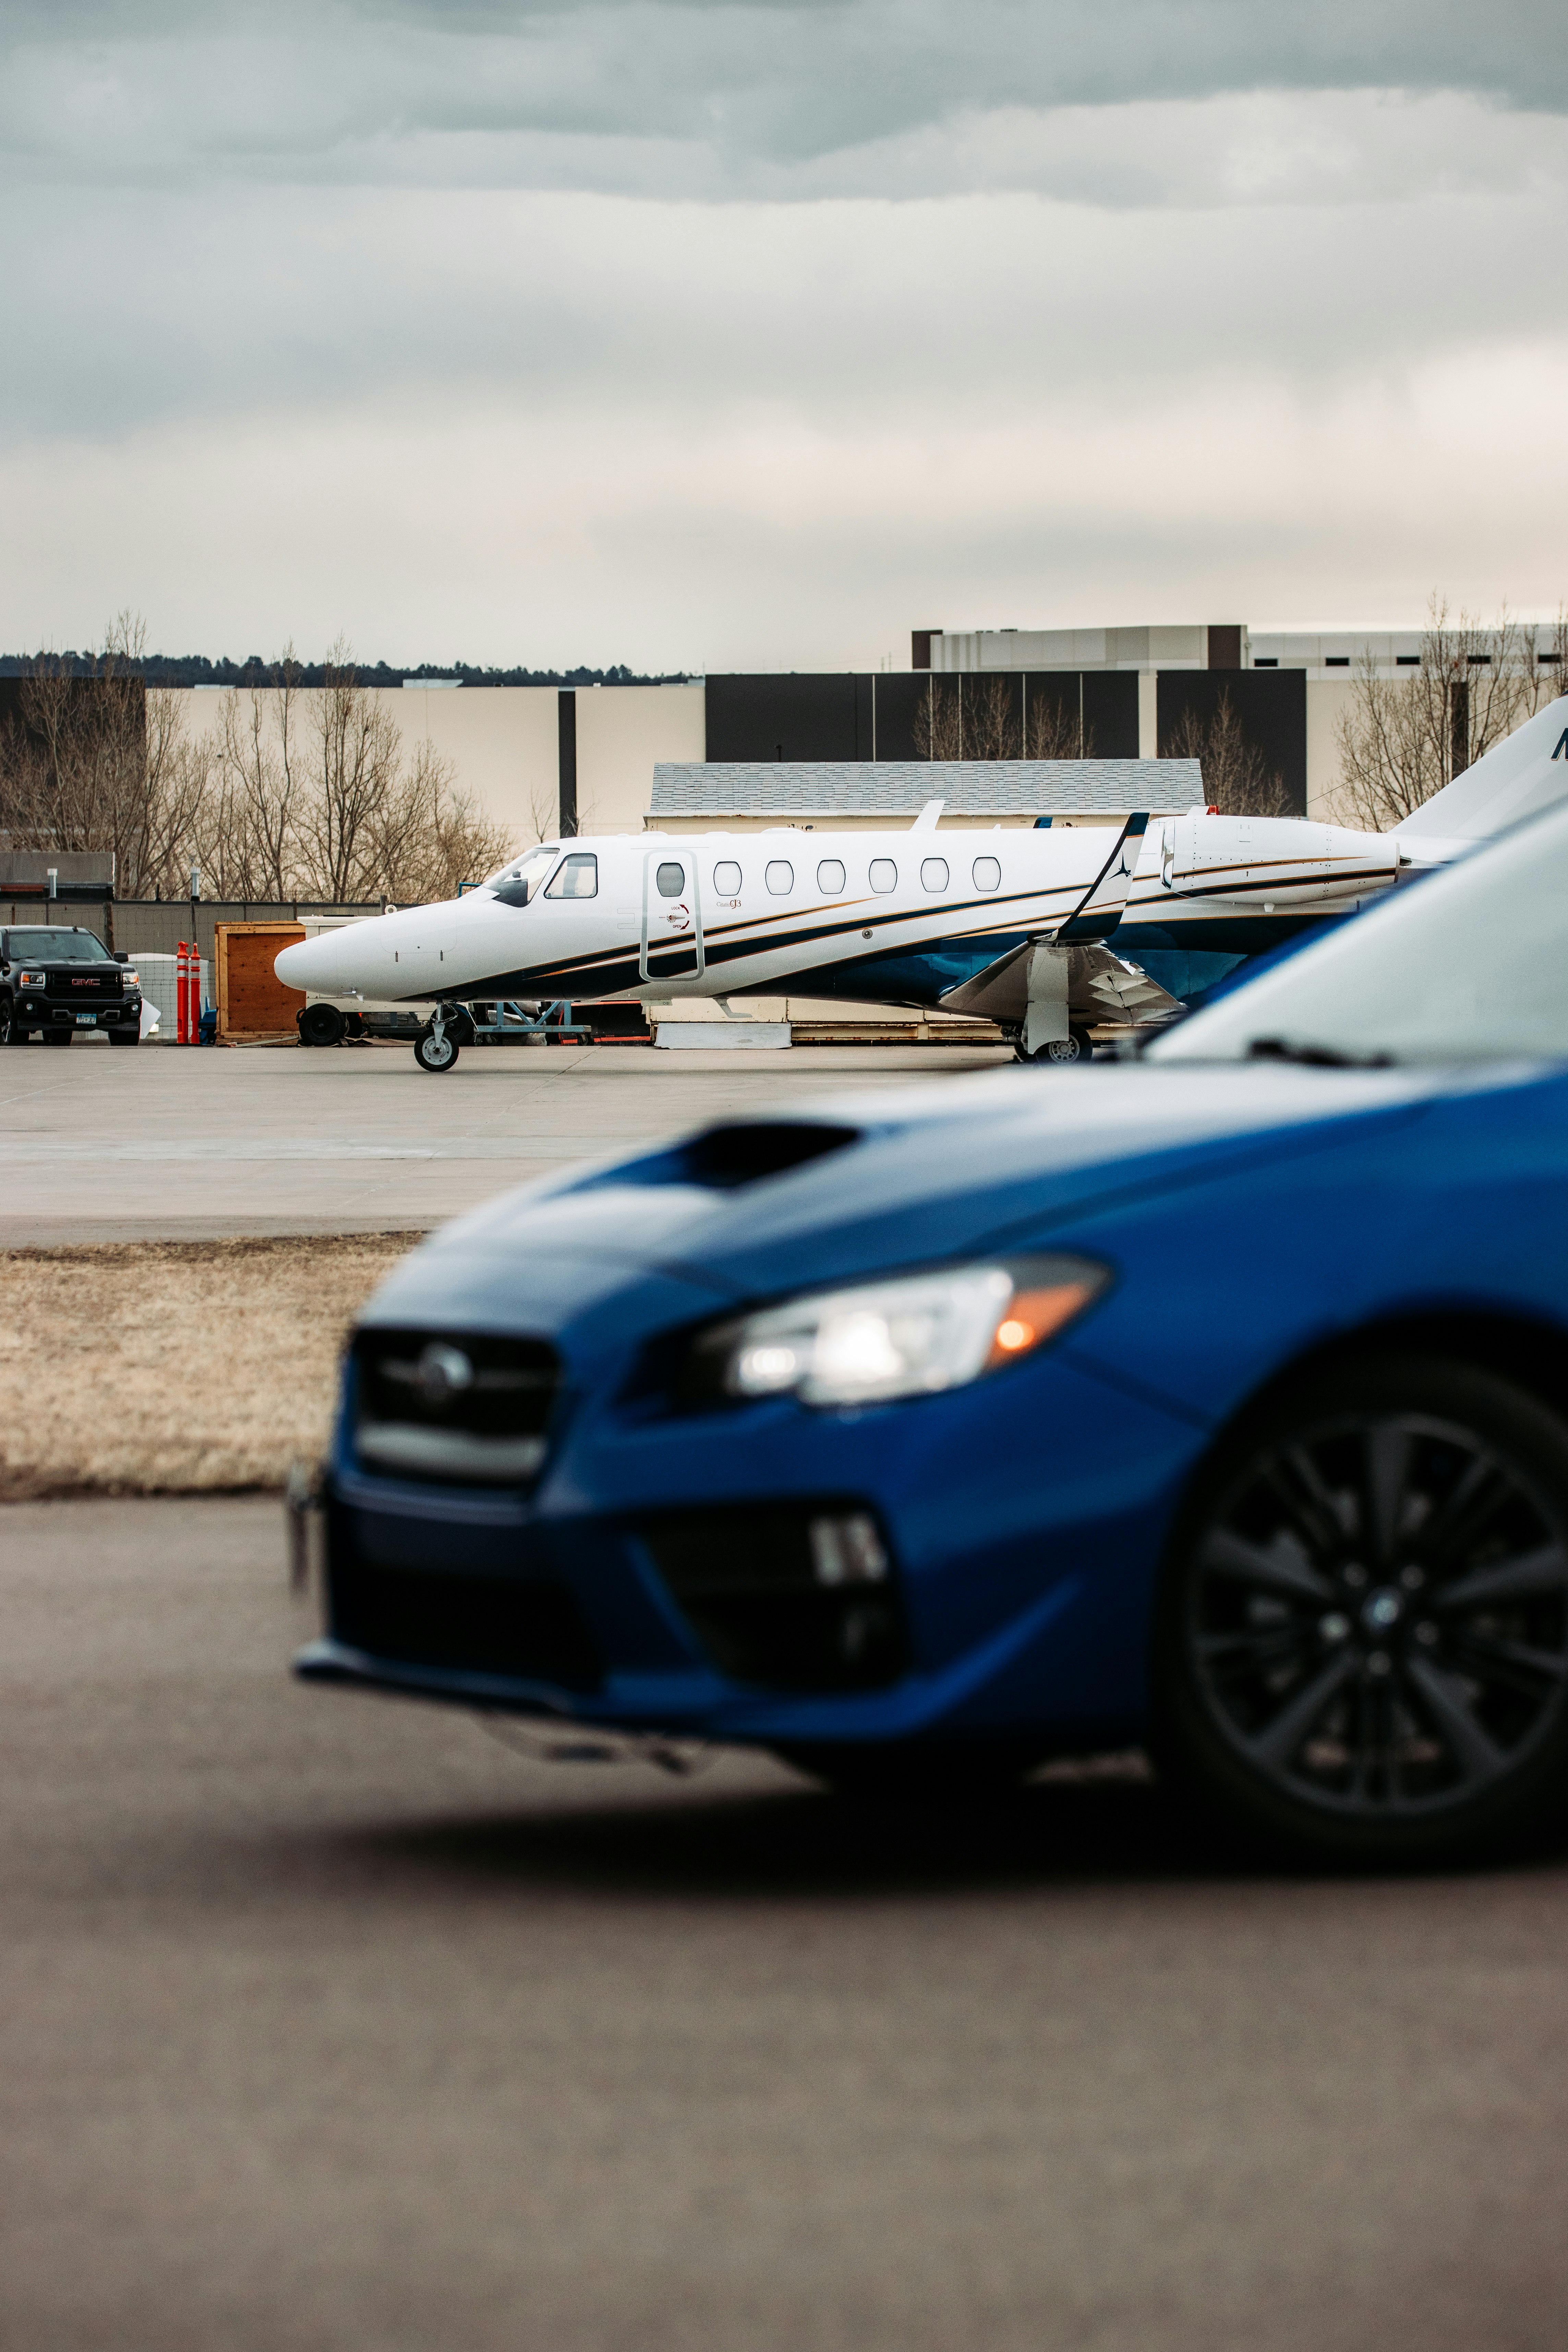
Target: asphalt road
(183, 1144)
(328, 2023)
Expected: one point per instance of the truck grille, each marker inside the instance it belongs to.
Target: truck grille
(462, 1406)
(84, 987)
(524, 1629)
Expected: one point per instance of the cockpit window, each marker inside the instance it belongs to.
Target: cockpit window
(578, 877)
(530, 868)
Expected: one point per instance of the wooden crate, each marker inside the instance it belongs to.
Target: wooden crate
(252, 1001)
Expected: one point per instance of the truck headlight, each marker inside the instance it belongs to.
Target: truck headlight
(910, 1337)
(129, 978)
(31, 979)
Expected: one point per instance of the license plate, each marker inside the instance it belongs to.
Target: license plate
(87, 1020)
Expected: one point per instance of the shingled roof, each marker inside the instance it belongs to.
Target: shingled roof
(901, 788)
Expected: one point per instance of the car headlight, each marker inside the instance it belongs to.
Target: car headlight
(129, 978)
(30, 979)
(907, 1337)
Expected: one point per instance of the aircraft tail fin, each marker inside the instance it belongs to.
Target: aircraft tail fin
(1526, 772)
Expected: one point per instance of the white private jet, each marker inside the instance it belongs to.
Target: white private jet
(1008, 923)
(1017, 926)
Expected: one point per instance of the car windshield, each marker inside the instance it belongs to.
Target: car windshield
(40, 946)
(530, 868)
(1470, 965)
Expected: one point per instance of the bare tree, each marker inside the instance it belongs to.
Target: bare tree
(1053, 726)
(105, 762)
(1236, 778)
(976, 719)
(1403, 739)
(357, 758)
(430, 839)
(259, 752)
(939, 720)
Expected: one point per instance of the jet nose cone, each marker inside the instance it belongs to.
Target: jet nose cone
(294, 965)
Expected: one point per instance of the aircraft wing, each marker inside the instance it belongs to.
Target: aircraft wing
(1101, 987)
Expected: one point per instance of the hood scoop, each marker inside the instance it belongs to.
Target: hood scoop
(723, 1159)
(750, 1151)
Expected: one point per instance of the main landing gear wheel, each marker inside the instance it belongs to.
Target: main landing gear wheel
(1076, 1047)
(437, 1050)
(1362, 1649)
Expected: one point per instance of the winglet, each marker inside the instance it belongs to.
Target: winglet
(1099, 911)
(926, 821)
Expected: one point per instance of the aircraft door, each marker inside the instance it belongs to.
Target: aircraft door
(671, 916)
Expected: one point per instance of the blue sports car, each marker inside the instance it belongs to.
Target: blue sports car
(1216, 1402)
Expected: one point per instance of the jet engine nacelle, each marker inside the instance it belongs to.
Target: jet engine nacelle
(1279, 861)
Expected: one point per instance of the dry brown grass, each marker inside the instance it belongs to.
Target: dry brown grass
(176, 1367)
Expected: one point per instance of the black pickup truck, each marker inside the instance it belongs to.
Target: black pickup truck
(56, 981)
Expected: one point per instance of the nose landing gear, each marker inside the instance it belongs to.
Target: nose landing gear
(436, 1048)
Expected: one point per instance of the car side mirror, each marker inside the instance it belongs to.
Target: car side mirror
(121, 955)
(514, 894)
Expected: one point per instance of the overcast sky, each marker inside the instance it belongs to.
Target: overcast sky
(738, 336)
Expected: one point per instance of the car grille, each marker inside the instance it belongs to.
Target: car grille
(458, 1406)
(524, 1629)
(83, 988)
(794, 1596)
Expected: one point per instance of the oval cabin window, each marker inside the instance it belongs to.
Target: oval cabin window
(987, 874)
(727, 880)
(780, 877)
(671, 880)
(830, 877)
(884, 874)
(933, 874)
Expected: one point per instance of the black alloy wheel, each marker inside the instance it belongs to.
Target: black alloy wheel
(1362, 1644)
(9, 1032)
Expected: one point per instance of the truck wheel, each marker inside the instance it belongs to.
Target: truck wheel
(9, 1032)
(58, 1036)
(125, 1036)
(321, 1024)
(436, 1054)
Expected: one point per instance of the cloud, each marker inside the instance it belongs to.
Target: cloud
(681, 99)
(739, 335)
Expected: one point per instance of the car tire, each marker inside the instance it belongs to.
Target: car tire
(58, 1036)
(321, 1024)
(125, 1036)
(437, 1055)
(1361, 1648)
(9, 1032)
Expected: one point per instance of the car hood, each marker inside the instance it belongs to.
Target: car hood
(896, 1178)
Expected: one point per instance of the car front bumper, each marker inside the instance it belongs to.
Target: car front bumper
(1023, 1519)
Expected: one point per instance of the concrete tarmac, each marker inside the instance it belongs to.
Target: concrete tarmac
(330, 2025)
(183, 1144)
